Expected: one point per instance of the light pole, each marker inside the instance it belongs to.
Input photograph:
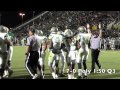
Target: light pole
(22, 15)
(33, 16)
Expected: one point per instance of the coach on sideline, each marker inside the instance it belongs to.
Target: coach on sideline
(32, 53)
(95, 47)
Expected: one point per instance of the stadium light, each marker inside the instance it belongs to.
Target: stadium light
(22, 15)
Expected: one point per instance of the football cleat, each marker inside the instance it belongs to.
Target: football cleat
(79, 77)
(84, 77)
(35, 76)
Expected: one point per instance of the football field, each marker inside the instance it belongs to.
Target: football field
(110, 61)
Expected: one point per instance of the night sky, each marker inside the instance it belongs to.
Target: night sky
(12, 19)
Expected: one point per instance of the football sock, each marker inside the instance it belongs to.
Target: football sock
(53, 74)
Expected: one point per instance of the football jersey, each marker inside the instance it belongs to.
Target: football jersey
(95, 42)
(3, 46)
(41, 40)
(33, 42)
(84, 39)
(51, 36)
(73, 45)
(57, 41)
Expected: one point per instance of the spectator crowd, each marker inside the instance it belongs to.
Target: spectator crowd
(72, 20)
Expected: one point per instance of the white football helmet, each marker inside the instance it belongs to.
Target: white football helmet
(54, 29)
(4, 29)
(39, 32)
(68, 33)
(82, 29)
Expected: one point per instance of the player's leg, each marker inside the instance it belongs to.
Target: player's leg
(69, 66)
(39, 61)
(42, 62)
(10, 61)
(93, 56)
(86, 55)
(79, 62)
(73, 59)
(4, 65)
(85, 66)
(57, 65)
(73, 69)
(62, 58)
(6, 71)
(10, 56)
(41, 67)
(29, 65)
(51, 62)
(96, 59)
(43, 53)
(34, 63)
(1, 66)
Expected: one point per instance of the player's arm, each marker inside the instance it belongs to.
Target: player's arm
(7, 40)
(28, 46)
(27, 50)
(100, 28)
(88, 29)
(78, 44)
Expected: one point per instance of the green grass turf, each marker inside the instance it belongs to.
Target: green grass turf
(108, 59)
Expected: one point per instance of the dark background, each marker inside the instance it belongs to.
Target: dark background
(12, 19)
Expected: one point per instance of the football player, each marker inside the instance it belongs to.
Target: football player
(55, 46)
(9, 71)
(4, 42)
(72, 54)
(83, 39)
(63, 61)
(67, 41)
(43, 47)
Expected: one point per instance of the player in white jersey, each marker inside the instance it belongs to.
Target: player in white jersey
(68, 48)
(8, 72)
(55, 46)
(42, 43)
(83, 40)
(63, 61)
(73, 54)
(4, 41)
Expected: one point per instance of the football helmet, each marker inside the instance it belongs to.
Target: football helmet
(68, 33)
(54, 29)
(82, 29)
(4, 29)
(39, 32)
